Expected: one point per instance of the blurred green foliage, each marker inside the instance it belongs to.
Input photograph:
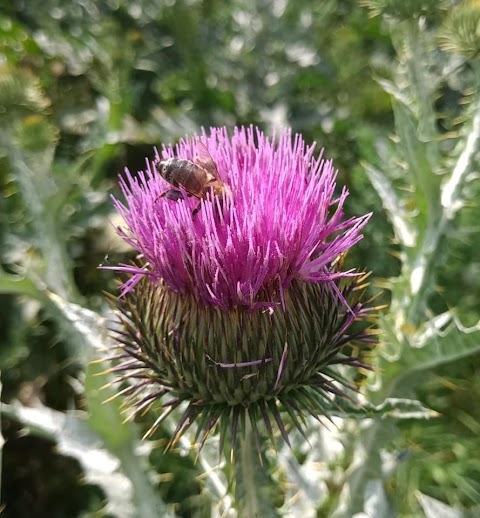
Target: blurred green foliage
(87, 88)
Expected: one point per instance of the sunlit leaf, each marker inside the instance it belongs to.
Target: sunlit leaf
(461, 31)
(452, 195)
(400, 9)
(75, 439)
(376, 500)
(20, 94)
(443, 346)
(419, 162)
(434, 508)
(88, 330)
(104, 417)
(396, 408)
(306, 489)
(405, 232)
(18, 285)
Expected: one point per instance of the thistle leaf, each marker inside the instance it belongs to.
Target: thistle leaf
(104, 417)
(403, 228)
(439, 345)
(397, 408)
(461, 31)
(101, 467)
(401, 9)
(451, 193)
(16, 284)
(434, 508)
(419, 161)
(376, 500)
(20, 94)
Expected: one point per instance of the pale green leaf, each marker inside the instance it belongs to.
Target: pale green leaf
(451, 197)
(104, 417)
(306, 489)
(423, 83)
(404, 230)
(366, 466)
(75, 439)
(434, 508)
(401, 9)
(442, 346)
(88, 330)
(461, 31)
(19, 285)
(87, 325)
(396, 408)
(418, 161)
(399, 94)
(376, 500)
(32, 174)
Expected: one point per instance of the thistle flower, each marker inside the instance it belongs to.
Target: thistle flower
(242, 308)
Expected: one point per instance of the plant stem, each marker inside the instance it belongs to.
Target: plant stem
(247, 464)
(255, 491)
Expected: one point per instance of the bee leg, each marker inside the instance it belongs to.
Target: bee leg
(172, 194)
(196, 210)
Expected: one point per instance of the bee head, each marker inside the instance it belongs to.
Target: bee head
(163, 165)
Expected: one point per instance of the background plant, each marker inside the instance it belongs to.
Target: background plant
(390, 88)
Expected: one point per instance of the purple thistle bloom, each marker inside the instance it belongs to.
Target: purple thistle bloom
(239, 305)
(281, 223)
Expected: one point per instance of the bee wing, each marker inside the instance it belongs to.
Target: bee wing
(204, 159)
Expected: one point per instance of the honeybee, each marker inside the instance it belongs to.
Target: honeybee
(197, 178)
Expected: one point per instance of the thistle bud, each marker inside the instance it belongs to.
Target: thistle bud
(239, 306)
